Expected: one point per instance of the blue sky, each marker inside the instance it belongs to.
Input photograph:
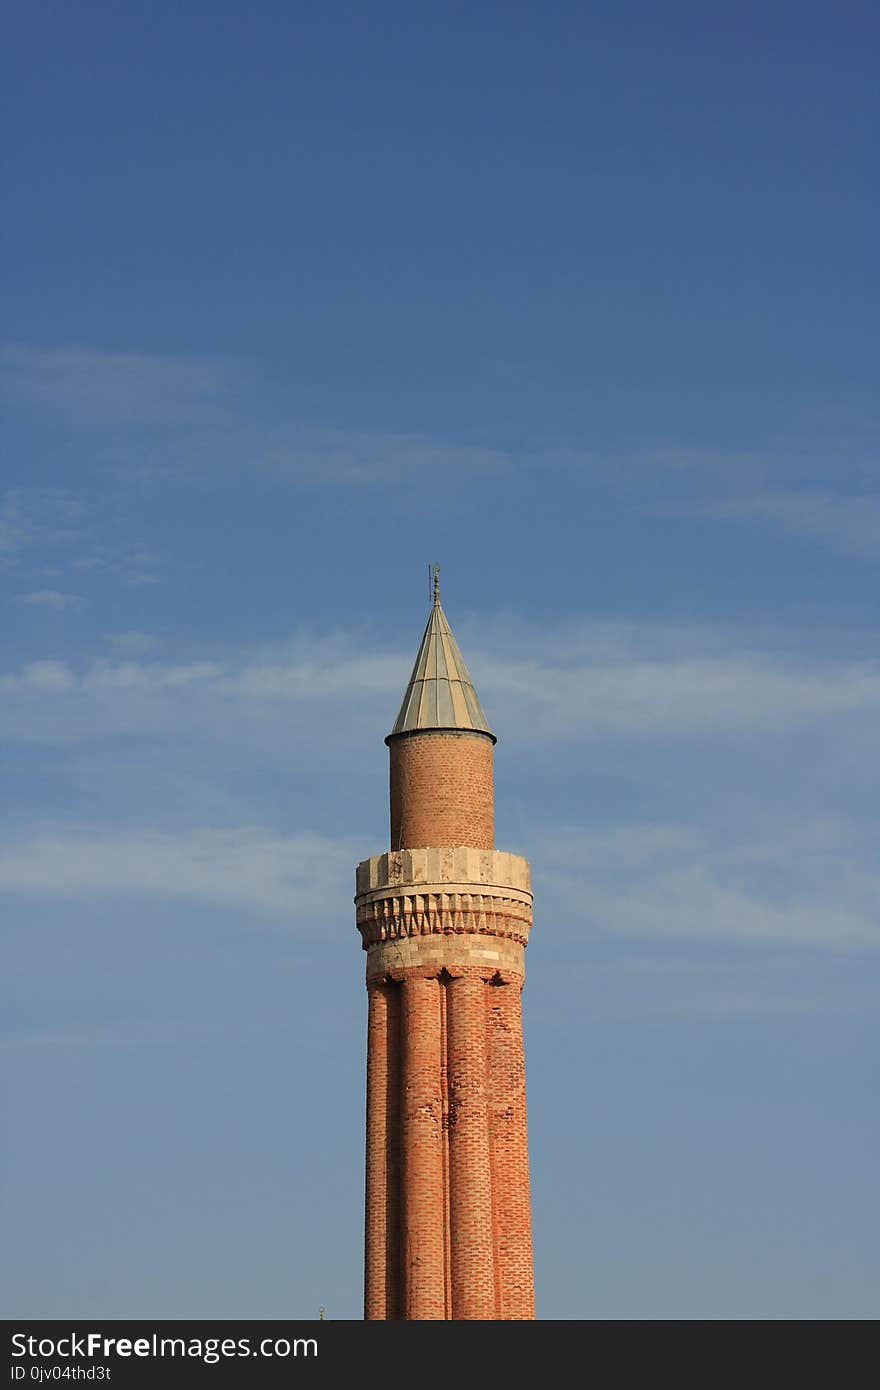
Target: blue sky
(580, 302)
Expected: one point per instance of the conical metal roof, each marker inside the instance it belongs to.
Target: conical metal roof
(440, 694)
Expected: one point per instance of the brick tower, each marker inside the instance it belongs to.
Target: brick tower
(444, 919)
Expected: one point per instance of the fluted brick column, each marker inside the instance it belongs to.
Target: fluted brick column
(382, 1225)
(510, 1150)
(470, 1198)
(421, 1134)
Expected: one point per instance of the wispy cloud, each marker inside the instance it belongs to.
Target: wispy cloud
(53, 677)
(199, 420)
(818, 480)
(849, 523)
(812, 887)
(812, 450)
(48, 532)
(38, 517)
(113, 389)
(313, 456)
(792, 883)
(51, 598)
(41, 678)
(131, 643)
(736, 984)
(297, 879)
(569, 690)
(134, 564)
(645, 699)
(213, 423)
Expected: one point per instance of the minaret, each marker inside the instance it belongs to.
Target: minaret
(444, 919)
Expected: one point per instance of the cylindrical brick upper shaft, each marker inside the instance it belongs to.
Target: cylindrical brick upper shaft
(442, 789)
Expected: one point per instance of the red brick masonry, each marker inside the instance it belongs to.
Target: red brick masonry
(442, 790)
(448, 1219)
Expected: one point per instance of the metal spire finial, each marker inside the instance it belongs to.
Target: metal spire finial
(435, 571)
